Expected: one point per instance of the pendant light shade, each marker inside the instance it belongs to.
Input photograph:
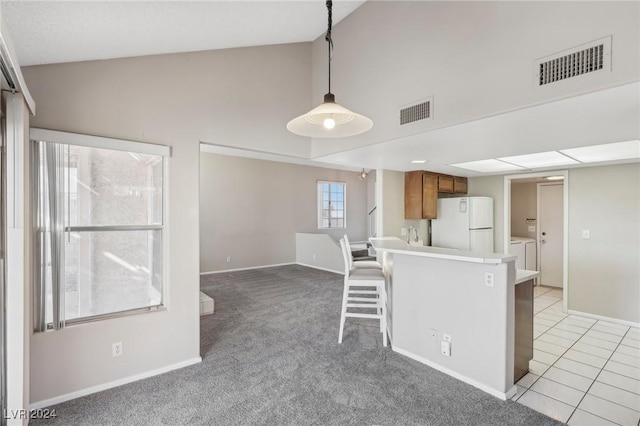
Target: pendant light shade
(329, 120)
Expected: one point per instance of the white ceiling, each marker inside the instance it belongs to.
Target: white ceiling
(55, 31)
(46, 32)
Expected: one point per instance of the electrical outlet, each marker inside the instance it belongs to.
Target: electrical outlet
(116, 349)
(586, 234)
(531, 228)
(433, 333)
(314, 256)
(228, 259)
(445, 348)
(446, 338)
(403, 232)
(488, 279)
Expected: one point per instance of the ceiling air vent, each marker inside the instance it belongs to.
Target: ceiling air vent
(580, 60)
(422, 110)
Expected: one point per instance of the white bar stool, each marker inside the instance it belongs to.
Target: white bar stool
(360, 264)
(359, 295)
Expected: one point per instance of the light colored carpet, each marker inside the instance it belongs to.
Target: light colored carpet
(271, 357)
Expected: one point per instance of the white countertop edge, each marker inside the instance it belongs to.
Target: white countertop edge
(396, 245)
(523, 275)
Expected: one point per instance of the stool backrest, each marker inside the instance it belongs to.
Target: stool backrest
(346, 255)
(349, 253)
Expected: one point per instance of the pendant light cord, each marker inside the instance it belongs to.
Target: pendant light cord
(328, 38)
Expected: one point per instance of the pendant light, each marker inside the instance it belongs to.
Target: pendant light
(363, 174)
(329, 120)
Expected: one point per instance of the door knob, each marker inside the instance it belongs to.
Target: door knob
(544, 233)
(543, 241)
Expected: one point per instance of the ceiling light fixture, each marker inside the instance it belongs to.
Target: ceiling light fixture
(363, 174)
(329, 120)
(554, 178)
(418, 161)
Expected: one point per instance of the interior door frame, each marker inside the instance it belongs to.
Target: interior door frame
(538, 237)
(565, 223)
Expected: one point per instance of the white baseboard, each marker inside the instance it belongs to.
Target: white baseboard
(247, 268)
(498, 394)
(98, 388)
(322, 269)
(603, 318)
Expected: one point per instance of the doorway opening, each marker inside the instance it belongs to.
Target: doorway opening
(536, 225)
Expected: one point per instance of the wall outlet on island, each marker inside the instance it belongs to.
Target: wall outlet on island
(116, 349)
(445, 348)
(228, 259)
(488, 279)
(433, 333)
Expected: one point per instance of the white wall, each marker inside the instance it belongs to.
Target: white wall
(251, 210)
(475, 58)
(524, 203)
(604, 271)
(319, 251)
(176, 100)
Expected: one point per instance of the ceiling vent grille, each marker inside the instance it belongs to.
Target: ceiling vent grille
(416, 112)
(585, 59)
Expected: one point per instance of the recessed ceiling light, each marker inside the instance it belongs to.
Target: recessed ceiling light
(487, 166)
(418, 161)
(539, 160)
(607, 152)
(554, 178)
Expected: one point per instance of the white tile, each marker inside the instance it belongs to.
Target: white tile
(541, 345)
(560, 341)
(626, 359)
(582, 418)
(610, 411)
(564, 333)
(577, 321)
(624, 369)
(614, 394)
(627, 350)
(537, 367)
(593, 350)
(587, 320)
(550, 315)
(577, 368)
(537, 334)
(611, 330)
(556, 293)
(527, 380)
(549, 406)
(585, 358)
(613, 325)
(598, 342)
(539, 291)
(627, 341)
(619, 381)
(519, 392)
(604, 336)
(543, 321)
(558, 391)
(569, 327)
(568, 378)
(634, 333)
(537, 328)
(545, 357)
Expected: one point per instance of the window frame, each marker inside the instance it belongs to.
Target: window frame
(37, 134)
(319, 207)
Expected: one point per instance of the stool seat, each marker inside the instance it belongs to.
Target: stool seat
(359, 264)
(364, 289)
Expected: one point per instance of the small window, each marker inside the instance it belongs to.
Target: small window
(332, 200)
(99, 229)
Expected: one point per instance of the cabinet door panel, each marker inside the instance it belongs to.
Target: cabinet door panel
(429, 196)
(445, 183)
(413, 195)
(460, 185)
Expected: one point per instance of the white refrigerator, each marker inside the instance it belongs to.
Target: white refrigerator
(464, 223)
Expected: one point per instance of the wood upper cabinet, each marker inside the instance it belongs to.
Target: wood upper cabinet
(420, 195)
(445, 183)
(460, 185)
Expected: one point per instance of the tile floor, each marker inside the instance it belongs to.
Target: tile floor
(584, 371)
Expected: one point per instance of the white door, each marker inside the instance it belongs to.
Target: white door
(550, 233)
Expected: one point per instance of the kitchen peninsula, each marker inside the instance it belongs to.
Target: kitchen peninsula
(454, 310)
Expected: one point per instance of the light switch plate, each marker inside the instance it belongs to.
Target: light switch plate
(586, 234)
(531, 228)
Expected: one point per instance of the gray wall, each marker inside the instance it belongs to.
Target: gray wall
(176, 100)
(250, 210)
(604, 271)
(524, 202)
(474, 57)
